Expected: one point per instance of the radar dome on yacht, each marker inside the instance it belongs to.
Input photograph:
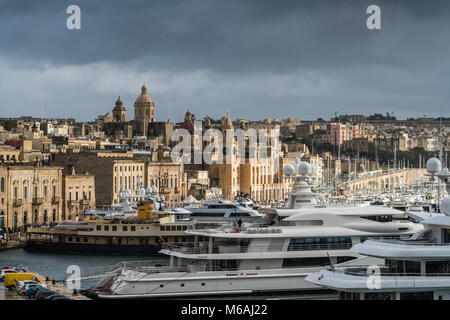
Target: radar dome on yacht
(304, 168)
(141, 192)
(148, 190)
(445, 206)
(434, 165)
(289, 169)
(445, 171)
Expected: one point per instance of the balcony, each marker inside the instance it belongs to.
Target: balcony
(72, 203)
(17, 202)
(38, 201)
(56, 200)
(85, 202)
(166, 190)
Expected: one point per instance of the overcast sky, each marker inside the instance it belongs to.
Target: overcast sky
(259, 59)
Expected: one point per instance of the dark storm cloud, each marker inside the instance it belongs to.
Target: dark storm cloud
(222, 35)
(320, 50)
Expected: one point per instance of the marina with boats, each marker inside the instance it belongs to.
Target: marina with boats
(276, 256)
(234, 248)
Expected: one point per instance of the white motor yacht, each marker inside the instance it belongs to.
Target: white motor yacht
(128, 203)
(261, 258)
(223, 210)
(414, 269)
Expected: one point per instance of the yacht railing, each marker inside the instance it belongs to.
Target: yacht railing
(411, 242)
(192, 268)
(256, 227)
(190, 248)
(365, 271)
(151, 267)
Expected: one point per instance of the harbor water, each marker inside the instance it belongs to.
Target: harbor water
(56, 267)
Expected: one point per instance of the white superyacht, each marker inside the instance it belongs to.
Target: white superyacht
(414, 269)
(273, 256)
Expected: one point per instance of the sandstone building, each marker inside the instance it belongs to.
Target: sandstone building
(29, 195)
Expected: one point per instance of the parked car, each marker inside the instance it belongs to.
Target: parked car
(21, 284)
(44, 293)
(58, 297)
(33, 290)
(35, 287)
(4, 272)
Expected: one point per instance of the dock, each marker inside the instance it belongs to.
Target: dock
(11, 244)
(6, 294)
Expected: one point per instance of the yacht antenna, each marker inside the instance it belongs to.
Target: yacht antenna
(331, 262)
(440, 159)
(440, 140)
(354, 184)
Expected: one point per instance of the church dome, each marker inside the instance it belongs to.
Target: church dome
(144, 97)
(188, 116)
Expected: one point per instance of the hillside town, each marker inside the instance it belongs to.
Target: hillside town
(57, 169)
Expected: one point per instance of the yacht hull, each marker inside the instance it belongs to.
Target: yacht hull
(211, 284)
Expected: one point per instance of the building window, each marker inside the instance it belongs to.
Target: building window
(2, 185)
(124, 228)
(114, 228)
(36, 216)
(133, 228)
